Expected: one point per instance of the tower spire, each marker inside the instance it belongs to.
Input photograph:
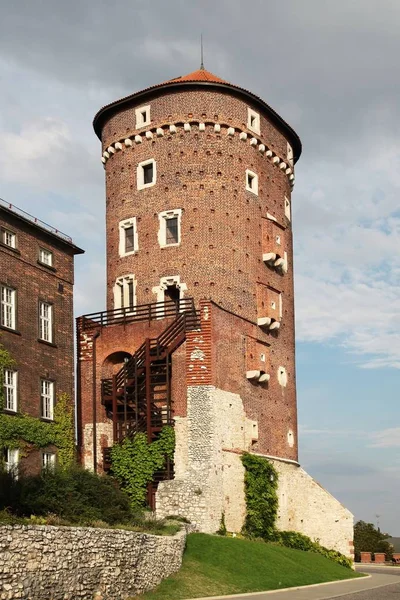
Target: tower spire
(201, 50)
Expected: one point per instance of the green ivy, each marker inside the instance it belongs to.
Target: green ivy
(26, 432)
(261, 483)
(134, 462)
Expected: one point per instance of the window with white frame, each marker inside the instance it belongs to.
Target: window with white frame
(169, 233)
(146, 174)
(47, 399)
(289, 154)
(125, 292)
(45, 321)
(251, 182)
(10, 390)
(11, 459)
(8, 306)
(46, 257)
(8, 238)
(253, 120)
(48, 461)
(287, 208)
(128, 237)
(142, 115)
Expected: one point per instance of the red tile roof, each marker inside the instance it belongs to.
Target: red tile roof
(199, 75)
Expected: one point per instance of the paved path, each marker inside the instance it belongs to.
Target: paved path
(383, 584)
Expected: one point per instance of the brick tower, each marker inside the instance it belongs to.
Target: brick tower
(199, 326)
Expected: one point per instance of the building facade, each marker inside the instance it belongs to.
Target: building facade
(199, 327)
(36, 322)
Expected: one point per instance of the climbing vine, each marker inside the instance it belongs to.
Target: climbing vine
(134, 462)
(261, 483)
(26, 432)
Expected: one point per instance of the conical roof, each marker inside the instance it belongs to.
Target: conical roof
(200, 75)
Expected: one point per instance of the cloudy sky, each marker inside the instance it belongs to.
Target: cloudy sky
(331, 70)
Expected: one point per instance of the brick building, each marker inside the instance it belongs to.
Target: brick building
(36, 321)
(199, 326)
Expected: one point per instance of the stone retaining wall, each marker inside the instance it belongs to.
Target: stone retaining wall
(70, 563)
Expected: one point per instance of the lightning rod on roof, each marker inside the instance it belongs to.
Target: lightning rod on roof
(201, 48)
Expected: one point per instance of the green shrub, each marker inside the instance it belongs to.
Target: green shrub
(298, 541)
(261, 482)
(74, 495)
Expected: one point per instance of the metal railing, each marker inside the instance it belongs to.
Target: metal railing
(35, 220)
(142, 312)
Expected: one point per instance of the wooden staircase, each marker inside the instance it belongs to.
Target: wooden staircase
(138, 398)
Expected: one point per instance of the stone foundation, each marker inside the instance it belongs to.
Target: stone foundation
(209, 476)
(70, 563)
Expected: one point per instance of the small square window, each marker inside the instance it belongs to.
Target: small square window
(47, 399)
(11, 459)
(251, 182)
(10, 390)
(262, 357)
(273, 305)
(46, 257)
(142, 116)
(170, 228)
(7, 306)
(48, 461)
(278, 239)
(45, 322)
(128, 239)
(253, 120)
(146, 174)
(287, 208)
(8, 238)
(290, 154)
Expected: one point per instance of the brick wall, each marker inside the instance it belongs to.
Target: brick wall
(32, 281)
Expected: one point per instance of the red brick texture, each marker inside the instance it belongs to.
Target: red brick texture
(32, 281)
(224, 233)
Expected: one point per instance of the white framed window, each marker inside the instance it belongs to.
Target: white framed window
(8, 238)
(287, 208)
(169, 233)
(8, 307)
(142, 115)
(125, 292)
(128, 237)
(251, 182)
(289, 154)
(253, 120)
(278, 239)
(10, 390)
(46, 257)
(48, 461)
(146, 174)
(47, 399)
(11, 459)
(45, 321)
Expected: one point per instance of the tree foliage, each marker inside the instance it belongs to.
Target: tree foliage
(134, 462)
(367, 538)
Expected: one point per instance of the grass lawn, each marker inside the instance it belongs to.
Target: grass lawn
(214, 566)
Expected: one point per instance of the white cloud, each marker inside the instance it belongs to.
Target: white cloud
(387, 438)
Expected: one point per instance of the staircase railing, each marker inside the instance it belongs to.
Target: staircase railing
(166, 340)
(132, 314)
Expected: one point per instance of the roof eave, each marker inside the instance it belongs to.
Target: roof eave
(284, 127)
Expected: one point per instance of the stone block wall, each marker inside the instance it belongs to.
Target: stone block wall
(305, 506)
(70, 563)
